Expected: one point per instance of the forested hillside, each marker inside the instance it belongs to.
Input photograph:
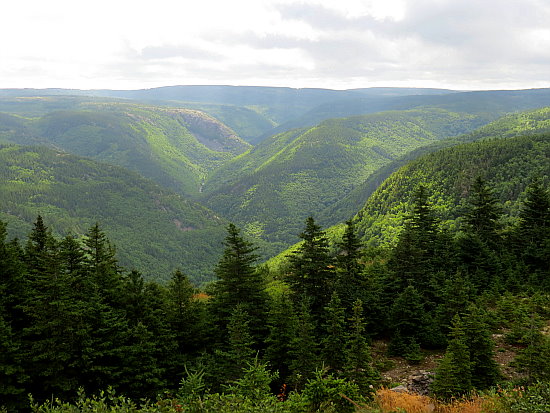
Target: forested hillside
(524, 123)
(276, 185)
(175, 147)
(153, 228)
(507, 164)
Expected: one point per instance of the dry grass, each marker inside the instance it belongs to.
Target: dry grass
(387, 401)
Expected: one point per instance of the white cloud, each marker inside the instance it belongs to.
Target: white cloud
(326, 43)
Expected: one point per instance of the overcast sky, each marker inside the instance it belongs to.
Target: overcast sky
(338, 44)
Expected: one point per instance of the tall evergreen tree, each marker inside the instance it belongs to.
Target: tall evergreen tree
(312, 269)
(532, 235)
(483, 214)
(413, 260)
(485, 370)
(335, 335)
(358, 367)
(453, 376)
(239, 284)
(349, 277)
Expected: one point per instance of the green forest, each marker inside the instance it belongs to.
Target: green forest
(298, 340)
(243, 249)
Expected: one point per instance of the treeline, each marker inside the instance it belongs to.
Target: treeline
(71, 317)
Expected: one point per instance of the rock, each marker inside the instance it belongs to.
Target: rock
(400, 389)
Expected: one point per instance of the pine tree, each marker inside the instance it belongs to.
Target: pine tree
(485, 370)
(282, 329)
(241, 342)
(483, 214)
(303, 348)
(408, 321)
(312, 269)
(349, 277)
(414, 258)
(453, 376)
(532, 236)
(335, 336)
(239, 284)
(358, 368)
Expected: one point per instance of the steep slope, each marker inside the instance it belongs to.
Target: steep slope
(530, 122)
(175, 147)
(507, 165)
(154, 229)
(275, 186)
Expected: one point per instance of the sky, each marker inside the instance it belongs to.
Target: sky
(335, 44)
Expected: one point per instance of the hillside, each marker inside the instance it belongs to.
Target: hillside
(524, 123)
(272, 188)
(507, 165)
(154, 229)
(177, 148)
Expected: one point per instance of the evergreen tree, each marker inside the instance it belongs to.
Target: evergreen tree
(408, 321)
(241, 342)
(335, 336)
(358, 368)
(282, 329)
(414, 258)
(312, 269)
(533, 233)
(453, 376)
(303, 348)
(239, 284)
(349, 277)
(483, 214)
(485, 370)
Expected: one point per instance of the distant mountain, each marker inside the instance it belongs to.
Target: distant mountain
(154, 229)
(488, 104)
(177, 148)
(508, 165)
(272, 188)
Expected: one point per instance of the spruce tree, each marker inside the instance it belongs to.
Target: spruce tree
(453, 376)
(349, 277)
(312, 269)
(358, 366)
(303, 348)
(335, 336)
(532, 235)
(485, 370)
(239, 284)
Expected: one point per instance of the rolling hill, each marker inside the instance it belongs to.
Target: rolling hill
(154, 229)
(272, 188)
(177, 148)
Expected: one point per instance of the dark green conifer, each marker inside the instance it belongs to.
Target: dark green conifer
(335, 336)
(453, 376)
(358, 366)
(312, 269)
(239, 284)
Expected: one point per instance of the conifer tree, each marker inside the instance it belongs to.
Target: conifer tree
(303, 348)
(408, 321)
(413, 260)
(282, 329)
(312, 269)
(239, 284)
(532, 235)
(358, 368)
(241, 341)
(485, 370)
(483, 214)
(453, 376)
(335, 336)
(349, 277)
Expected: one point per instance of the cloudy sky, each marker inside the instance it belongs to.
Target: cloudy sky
(339, 44)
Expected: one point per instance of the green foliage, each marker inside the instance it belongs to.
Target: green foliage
(326, 393)
(154, 229)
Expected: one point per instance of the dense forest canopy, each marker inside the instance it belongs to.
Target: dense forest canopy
(134, 228)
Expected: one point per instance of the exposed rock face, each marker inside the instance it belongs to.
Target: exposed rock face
(418, 383)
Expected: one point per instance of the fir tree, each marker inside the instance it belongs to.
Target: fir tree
(358, 368)
(453, 376)
(239, 284)
(335, 336)
(312, 269)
